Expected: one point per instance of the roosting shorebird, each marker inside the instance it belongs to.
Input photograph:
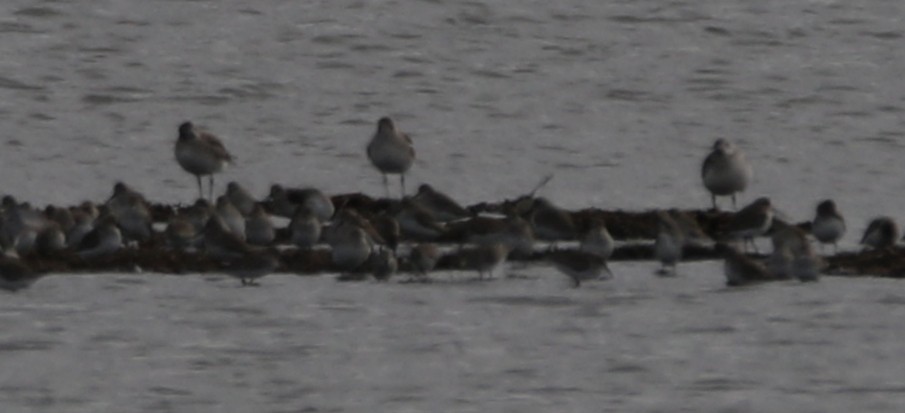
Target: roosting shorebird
(391, 152)
(200, 153)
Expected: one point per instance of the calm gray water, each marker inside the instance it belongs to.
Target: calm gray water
(620, 100)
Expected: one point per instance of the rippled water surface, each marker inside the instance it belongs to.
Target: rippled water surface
(620, 100)
(524, 343)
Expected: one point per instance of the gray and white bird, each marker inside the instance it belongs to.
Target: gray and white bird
(423, 258)
(259, 227)
(669, 244)
(828, 226)
(751, 221)
(104, 239)
(16, 275)
(391, 152)
(240, 197)
(740, 269)
(201, 154)
(882, 232)
(725, 171)
(443, 207)
(305, 228)
(580, 266)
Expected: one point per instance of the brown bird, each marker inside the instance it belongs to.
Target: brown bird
(201, 153)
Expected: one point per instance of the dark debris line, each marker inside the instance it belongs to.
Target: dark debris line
(623, 225)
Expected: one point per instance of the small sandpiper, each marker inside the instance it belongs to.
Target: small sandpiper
(417, 222)
(132, 213)
(669, 244)
(201, 153)
(241, 198)
(440, 205)
(391, 152)
(259, 227)
(50, 239)
(512, 231)
(691, 230)
(253, 265)
(883, 232)
(597, 239)
(741, 269)
(305, 228)
(16, 275)
(349, 248)
(222, 244)
(828, 226)
(485, 258)
(383, 264)
(104, 239)
(551, 223)
(283, 202)
(181, 234)
(751, 221)
(579, 265)
(423, 258)
(789, 243)
(230, 216)
(725, 171)
(84, 223)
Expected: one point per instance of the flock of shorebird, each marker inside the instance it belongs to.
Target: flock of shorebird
(238, 230)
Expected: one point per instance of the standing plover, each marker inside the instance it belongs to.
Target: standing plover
(391, 152)
(200, 153)
(725, 171)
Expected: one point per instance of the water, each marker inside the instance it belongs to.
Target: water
(638, 342)
(620, 100)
